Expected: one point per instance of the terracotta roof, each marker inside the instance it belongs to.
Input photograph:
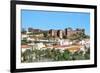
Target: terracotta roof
(25, 46)
(74, 48)
(60, 46)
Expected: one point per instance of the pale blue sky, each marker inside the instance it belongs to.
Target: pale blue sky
(46, 20)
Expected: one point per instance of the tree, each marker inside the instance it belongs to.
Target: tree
(27, 56)
(66, 55)
(78, 36)
(23, 31)
(65, 37)
(45, 34)
(24, 41)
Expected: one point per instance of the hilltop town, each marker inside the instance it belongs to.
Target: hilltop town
(42, 45)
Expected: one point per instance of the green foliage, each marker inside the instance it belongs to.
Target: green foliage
(78, 36)
(45, 34)
(66, 55)
(24, 41)
(54, 55)
(23, 31)
(64, 37)
(27, 56)
(78, 56)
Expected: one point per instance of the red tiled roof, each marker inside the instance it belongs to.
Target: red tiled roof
(25, 46)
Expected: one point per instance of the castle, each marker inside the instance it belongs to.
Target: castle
(67, 32)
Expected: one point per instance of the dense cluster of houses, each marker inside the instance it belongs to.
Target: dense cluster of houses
(60, 44)
(36, 42)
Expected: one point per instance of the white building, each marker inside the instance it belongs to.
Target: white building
(38, 46)
(65, 42)
(85, 41)
(30, 39)
(24, 36)
(25, 47)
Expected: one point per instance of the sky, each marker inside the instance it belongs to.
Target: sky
(46, 20)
